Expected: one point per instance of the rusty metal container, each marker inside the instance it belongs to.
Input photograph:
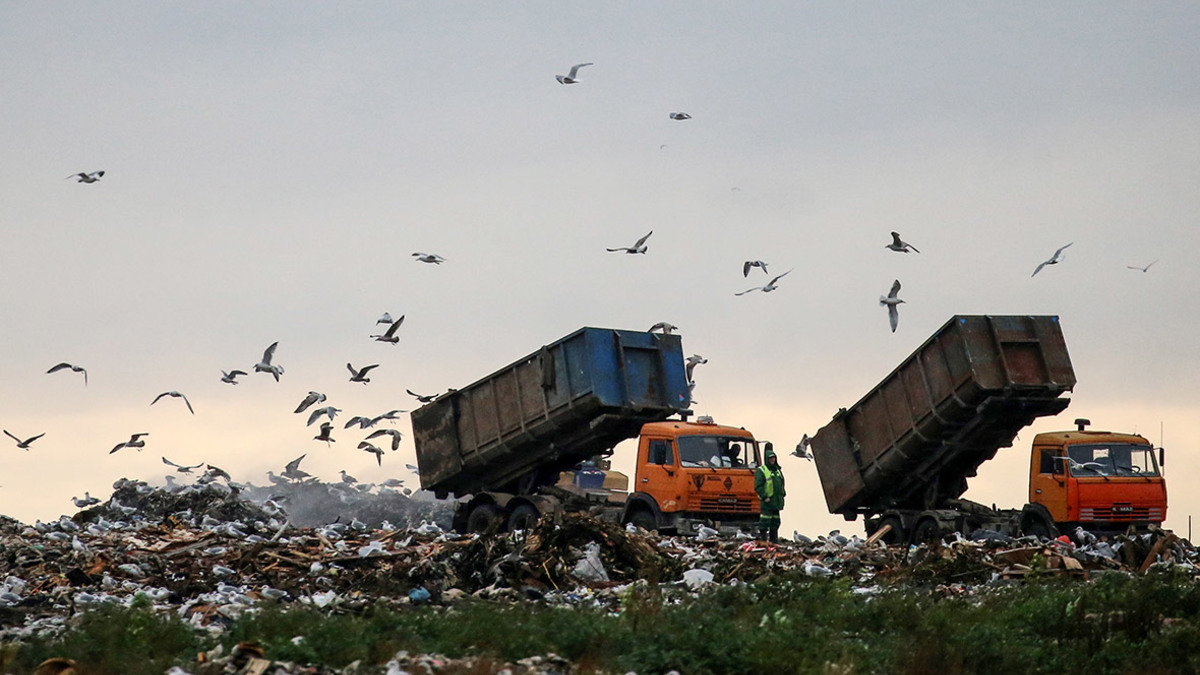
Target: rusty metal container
(517, 428)
(915, 438)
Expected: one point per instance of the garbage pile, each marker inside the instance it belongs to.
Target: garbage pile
(213, 551)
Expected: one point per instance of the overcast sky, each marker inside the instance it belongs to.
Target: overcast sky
(271, 167)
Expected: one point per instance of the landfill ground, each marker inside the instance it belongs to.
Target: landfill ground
(216, 556)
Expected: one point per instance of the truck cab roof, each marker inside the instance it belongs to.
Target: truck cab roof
(1087, 436)
(681, 428)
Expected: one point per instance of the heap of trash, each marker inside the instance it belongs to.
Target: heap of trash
(212, 551)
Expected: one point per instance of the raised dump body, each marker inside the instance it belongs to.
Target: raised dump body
(915, 438)
(518, 428)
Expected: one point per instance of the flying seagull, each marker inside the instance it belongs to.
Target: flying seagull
(265, 365)
(891, 301)
(680, 116)
(23, 444)
(174, 394)
(901, 246)
(327, 410)
(666, 327)
(746, 266)
(771, 285)
(1054, 260)
(179, 467)
(360, 374)
(803, 448)
(639, 247)
(1143, 269)
(368, 447)
(362, 422)
(87, 177)
(389, 335)
(80, 369)
(396, 436)
(429, 258)
(231, 376)
(326, 427)
(391, 415)
(693, 361)
(293, 471)
(386, 318)
(570, 78)
(421, 397)
(413, 469)
(133, 442)
(313, 398)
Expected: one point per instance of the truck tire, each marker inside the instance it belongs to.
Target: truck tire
(523, 517)
(484, 518)
(896, 536)
(1039, 528)
(643, 519)
(926, 531)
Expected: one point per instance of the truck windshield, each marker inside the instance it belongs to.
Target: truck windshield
(1114, 459)
(721, 452)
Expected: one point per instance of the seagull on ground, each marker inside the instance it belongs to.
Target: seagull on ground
(639, 247)
(666, 327)
(891, 301)
(326, 427)
(23, 444)
(327, 410)
(366, 446)
(389, 335)
(265, 366)
(746, 266)
(571, 77)
(230, 377)
(771, 285)
(680, 116)
(87, 177)
(1054, 260)
(360, 374)
(693, 361)
(80, 369)
(421, 397)
(396, 436)
(87, 500)
(429, 258)
(174, 394)
(348, 479)
(293, 471)
(133, 442)
(1141, 269)
(313, 398)
(803, 448)
(180, 468)
(901, 246)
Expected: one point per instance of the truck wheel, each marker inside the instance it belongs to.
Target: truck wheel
(926, 531)
(1038, 528)
(484, 518)
(896, 536)
(644, 519)
(523, 517)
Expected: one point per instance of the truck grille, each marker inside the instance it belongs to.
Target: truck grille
(727, 504)
(1121, 513)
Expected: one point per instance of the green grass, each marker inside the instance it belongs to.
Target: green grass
(1116, 624)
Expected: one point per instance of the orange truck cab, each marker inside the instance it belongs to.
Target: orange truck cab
(690, 473)
(1100, 480)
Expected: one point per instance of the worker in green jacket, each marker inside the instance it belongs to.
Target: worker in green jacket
(768, 483)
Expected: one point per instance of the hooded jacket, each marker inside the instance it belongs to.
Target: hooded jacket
(768, 483)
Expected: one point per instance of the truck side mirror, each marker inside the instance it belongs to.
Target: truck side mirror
(1162, 457)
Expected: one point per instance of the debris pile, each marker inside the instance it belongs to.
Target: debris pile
(209, 553)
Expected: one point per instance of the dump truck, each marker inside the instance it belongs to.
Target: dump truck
(901, 456)
(533, 439)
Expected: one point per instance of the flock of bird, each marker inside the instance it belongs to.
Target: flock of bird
(389, 335)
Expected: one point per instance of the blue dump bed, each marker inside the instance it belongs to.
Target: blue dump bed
(915, 438)
(569, 401)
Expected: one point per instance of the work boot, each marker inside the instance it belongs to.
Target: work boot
(764, 535)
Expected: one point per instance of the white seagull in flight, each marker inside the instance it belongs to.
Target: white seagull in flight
(389, 335)
(771, 285)
(901, 246)
(429, 258)
(891, 301)
(1054, 259)
(265, 365)
(571, 77)
(80, 369)
(87, 177)
(174, 394)
(639, 247)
